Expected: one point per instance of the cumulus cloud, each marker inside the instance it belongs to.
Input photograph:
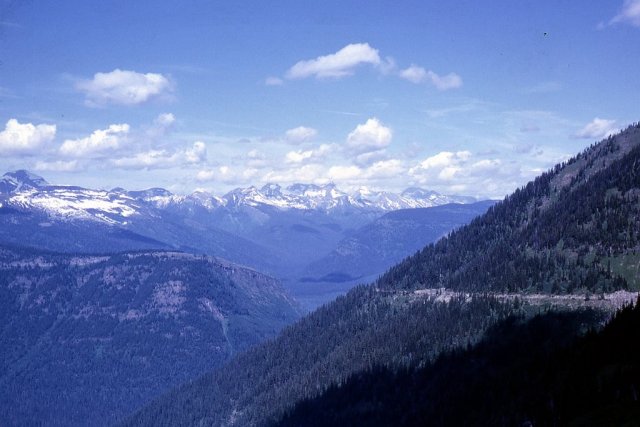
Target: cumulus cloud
(24, 138)
(416, 74)
(96, 144)
(197, 153)
(366, 159)
(629, 14)
(597, 128)
(123, 87)
(206, 175)
(443, 166)
(161, 126)
(300, 134)
(460, 172)
(163, 159)
(305, 156)
(385, 169)
(369, 136)
(336, 65)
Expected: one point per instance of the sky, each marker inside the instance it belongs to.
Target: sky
(461, 97)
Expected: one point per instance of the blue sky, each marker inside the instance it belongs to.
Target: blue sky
(465, 97)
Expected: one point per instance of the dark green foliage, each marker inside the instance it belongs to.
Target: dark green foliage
(357, 332)
(549, 236)
(88, 339)
(537, 372)
(557, 234)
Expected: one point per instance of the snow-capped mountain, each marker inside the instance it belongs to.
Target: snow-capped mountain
(24, 190)
(328, 197)
(273, 229)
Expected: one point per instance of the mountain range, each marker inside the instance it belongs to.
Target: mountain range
(568, 239)
(93, 337)
(292, 233)
(23, 189)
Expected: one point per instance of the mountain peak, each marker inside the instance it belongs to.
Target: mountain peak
(271, 190)
(21, 179)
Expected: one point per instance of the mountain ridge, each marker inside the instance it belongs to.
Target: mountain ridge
(94, 336)
(581, 240)
(24, 189)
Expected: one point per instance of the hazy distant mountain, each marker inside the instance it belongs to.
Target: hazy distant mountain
(86, 338)
(276, 230)
(572, 230)
(26, 190)
(375, 247)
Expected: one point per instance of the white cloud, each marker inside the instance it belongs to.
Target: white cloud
(273, 81)
(385, 169)
(123, 87)
(445, 159)
(311, 173)
(450, 81)
(597, 128)
(343, 173)
(301, 156)
(416, 74)
(630, 13)
(161, 126)
(163, 159)
(227, 175)
(151, 159)
(24, 138)
(443, 166)
(460, 172)
(206, 175)
(369, 136)
(336, 65)
(298, 156)
(366, 159)
(96, 144)
(300, 134)
(57, 166)
(197, 153)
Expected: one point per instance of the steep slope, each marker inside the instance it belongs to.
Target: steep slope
(356, 332)
(548, 236)
(87, 339)
(576, 227)
(539, 372)
(375, 247)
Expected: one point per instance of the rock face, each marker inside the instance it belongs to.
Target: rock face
(93, 337)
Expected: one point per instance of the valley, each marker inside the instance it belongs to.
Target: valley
(319, 214)
(520, 260)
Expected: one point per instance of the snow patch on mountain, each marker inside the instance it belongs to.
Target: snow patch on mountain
(24, 190)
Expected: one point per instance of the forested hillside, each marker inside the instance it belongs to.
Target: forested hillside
(538, 372)
(574, 229)
(87, 339)
(357, 332)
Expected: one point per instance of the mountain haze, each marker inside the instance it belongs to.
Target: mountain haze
(572, 230)
(92, 337)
